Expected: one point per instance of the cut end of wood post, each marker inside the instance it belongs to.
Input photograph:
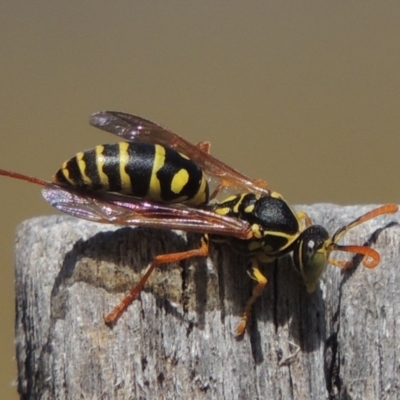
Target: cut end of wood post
(177, 340)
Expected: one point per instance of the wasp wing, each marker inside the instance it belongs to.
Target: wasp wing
(134, 128)
(123, 210)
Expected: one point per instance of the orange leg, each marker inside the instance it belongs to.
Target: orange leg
(111, 318)
(261, 280)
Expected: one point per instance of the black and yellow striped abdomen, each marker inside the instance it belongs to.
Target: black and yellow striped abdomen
(149, 171)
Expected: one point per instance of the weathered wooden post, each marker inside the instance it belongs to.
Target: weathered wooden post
(177, 341)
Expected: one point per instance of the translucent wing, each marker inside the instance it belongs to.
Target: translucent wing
(133, 128)
(123, 210)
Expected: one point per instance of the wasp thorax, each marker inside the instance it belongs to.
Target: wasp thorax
(274, 214)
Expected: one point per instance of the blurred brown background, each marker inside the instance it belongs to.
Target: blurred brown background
(303, 95)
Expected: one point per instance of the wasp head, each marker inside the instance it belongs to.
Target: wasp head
(311, 254)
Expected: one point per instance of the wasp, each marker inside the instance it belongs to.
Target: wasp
(155, 178)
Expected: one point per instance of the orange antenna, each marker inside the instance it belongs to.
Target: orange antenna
(371, 257)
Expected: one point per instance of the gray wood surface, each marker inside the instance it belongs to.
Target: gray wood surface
(177, 341)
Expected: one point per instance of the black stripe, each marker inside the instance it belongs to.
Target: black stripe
(174, 162)
(139, 167)
(91, 170)
(111, 165)
(59, 177)
(74, 173)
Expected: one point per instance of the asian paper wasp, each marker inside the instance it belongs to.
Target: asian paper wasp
(157, 179)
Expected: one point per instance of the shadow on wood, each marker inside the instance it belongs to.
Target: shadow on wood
(177, 340)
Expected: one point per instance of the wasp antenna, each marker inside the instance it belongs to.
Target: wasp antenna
(23, 177)
(371, 257)
(385, 209)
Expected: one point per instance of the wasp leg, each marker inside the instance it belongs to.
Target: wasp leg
(261, 280)
(307, 220)
(111, 318)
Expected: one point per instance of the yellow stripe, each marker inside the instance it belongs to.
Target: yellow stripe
(238, 203)
(82, 166)
(249, 209)
(65, 172)
(179, 180)
(222, 211)
(201, 195)
(229, 199)
(159, 161)
(276, 195)
(255, 228)
(100, 160)
(126, 183)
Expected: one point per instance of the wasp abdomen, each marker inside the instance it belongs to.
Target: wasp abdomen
(148, 171)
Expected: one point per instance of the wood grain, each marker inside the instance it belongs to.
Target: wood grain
(177, 340)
